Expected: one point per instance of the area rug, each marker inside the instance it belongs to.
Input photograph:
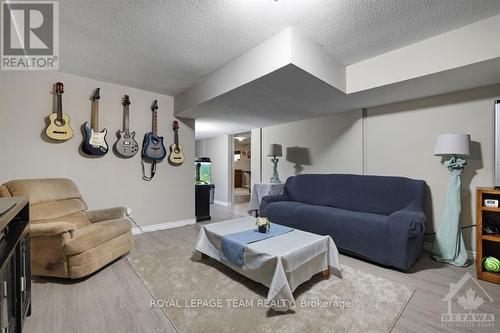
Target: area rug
(202, 295)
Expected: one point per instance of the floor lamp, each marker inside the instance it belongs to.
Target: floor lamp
(449, 245)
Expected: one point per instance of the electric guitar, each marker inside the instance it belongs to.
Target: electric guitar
(152, 146)
(176, 156)
(94, 142)
(126, 146)
(58, 128)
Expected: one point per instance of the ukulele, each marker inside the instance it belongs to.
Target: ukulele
(152, 146)
(126, 146)
(94, 142)
(58, 128)
(176, 156)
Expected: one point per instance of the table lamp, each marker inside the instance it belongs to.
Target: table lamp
(449, 245)
(275, 151)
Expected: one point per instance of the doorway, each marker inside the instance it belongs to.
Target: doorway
(242, 158)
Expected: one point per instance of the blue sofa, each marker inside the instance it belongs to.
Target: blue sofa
(374, 217)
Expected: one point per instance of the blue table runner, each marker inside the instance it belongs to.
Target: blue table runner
(233, 245)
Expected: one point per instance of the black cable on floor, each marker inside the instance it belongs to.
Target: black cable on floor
(466, 227)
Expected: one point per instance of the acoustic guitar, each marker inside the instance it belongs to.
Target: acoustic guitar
(126, 146)
(94, 141)
(153, 149)
(176, 156)
(58, 128)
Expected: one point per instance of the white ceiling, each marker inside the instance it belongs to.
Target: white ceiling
(167, 46)
(242, 138)
(290, 94)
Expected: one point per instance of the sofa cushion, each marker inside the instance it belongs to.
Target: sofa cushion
(101, 257)
(44, 190)
(370, 194)
(4, 192)
(49, 198)
(79, 219)
(351, 231)
(95, 234)
(99, 251)
(50, 229)
(70, 210)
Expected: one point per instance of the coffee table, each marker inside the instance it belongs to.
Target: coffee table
(280, 263)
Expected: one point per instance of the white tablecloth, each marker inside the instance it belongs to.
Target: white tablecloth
(281, 263)
(260, 190)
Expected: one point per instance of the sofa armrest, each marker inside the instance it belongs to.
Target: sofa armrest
(405, 237)
(271, 198)
(106, 214)
(50, 228)
(408, 221)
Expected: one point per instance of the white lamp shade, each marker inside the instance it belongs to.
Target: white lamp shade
(452, 144)
(274, 149)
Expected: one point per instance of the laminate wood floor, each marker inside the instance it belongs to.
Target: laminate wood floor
(115, 300)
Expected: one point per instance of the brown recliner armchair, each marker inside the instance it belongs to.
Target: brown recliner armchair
(67, 240)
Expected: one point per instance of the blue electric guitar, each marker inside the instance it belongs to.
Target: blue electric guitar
(94, 141)
(153, 149)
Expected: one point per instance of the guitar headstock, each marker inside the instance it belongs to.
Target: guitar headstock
(175, 125)
(125, 100)
(154, 106)
(59, 88)
(95, 95)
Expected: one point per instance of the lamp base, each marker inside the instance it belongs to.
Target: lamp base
(275, 179)
(449, 245)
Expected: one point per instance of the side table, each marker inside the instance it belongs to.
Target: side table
(260, 190)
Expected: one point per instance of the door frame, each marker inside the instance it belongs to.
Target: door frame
(232, 165)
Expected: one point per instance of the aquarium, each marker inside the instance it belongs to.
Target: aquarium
(203, 171)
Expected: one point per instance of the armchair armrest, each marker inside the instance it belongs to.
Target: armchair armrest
(106, 214)
(271, 198)
(50, 228)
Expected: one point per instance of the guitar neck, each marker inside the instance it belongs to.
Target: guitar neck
(59, 107)
(94, 121)
(155, 123)
(176, 138)
(126, 128)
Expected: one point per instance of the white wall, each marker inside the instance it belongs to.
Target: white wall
(436, 54)
(25, 100)
(324, 145)
(400, 138)
(396, 139)
(219, 149)
(256, 162)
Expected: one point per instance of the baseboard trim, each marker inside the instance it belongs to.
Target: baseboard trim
(470, 254)
(162, 226)
(222, 203)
